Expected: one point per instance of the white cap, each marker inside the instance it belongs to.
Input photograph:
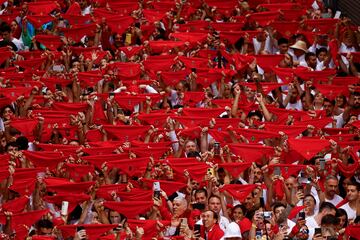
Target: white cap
(232, 231)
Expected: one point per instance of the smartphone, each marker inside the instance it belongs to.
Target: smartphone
(317, 231)
(300, 188)
(267, 215)
(64, 208)
(79, 228)
(302, 215)
(197, 231)
(157, 190)
(217, 148)
(199, 206)
(211, 172)
(262, 202)
(277, 171)
(193, 70)
(322, 164)
(184, 221)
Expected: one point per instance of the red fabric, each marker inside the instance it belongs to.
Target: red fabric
(45, 158)
(330, 91)
(71, 107)
(295, 211)
(126, 133)
(39, 20)
(167, 186)
(192, 38)
(32, 64)
(264, 18)
(278, 189)
(76, 33)
(155, 152)
(215, 233)
(90, 78)
(119, 24)
(251, 153)
(172, 78)
(288, 170)
(238, 191)
(149, 226)
(73, 199)
(308, 148)
(63, 186)
(196, 169)
(203, 112)
(129, 208)
(77, 19)
(23, 186)
(266, 62)
(158, 47)
(126, 71)
(131, 50)
(129, 101)
(287, 29)
(42, 8)
(93, 231)
(130, 166)
(15, 206)
(74, 9)
(26, 127)
(235, 169)
(98, 160)
(353, 231)
(77, 171)
(27, 218)
(254, 135)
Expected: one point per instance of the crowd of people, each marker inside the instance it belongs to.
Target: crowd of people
(191, 119)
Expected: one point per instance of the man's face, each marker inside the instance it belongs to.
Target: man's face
(114, 217)
(6, 36)
(215, 204)
(328, 107)
(278, 211)
(257, 175)
(352, 193)
(283, 48)
(208, 219)
(356, 102)
(331, 186)
(312, 62)
(190, 147)
(248, 202)
(178, 207)
(290, 182)
(200, 198)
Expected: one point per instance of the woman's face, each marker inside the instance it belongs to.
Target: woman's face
(13, 26)
(238, 214)
(319, 98)
(7, 114)
(342, 221)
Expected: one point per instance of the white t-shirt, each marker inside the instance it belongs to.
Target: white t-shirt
(350, 212)
(336, 200)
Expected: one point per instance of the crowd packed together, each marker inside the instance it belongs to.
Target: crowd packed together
(167, 119)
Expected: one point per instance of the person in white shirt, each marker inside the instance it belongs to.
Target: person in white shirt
(352, 195)
(313, 222)
(331, 187)
(280, 216)
(298, 51)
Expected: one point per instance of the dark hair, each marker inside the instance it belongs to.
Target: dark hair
(44, 223)
(283, 41)
(308, 55)
(326, 205)
(201, 190)
(329, 219)
(4, 27)
(255, 113)
(356, 184)
(214, 196)
(332, 102)
(277, 205)
(215, 215)
(341, 212)
(320, 50)
(22, 142)
(11, 144)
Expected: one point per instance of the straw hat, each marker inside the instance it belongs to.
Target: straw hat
(301, 45)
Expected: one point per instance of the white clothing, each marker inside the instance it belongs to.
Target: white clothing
(336, 200)
(350, 212)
